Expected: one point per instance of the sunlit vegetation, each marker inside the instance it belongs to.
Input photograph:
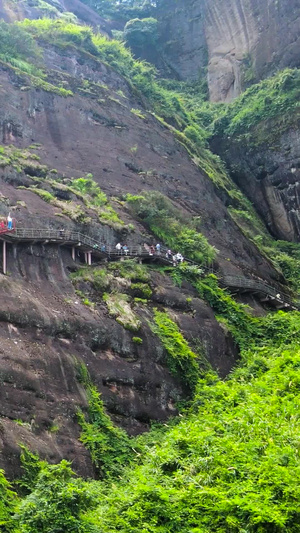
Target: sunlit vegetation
(231, 463)
(177, 230)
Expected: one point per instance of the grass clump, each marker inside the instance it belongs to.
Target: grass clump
(137, 340)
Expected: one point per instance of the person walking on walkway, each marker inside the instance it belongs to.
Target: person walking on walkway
(9, 222)
(125, 249)
(157, 249)
(119, 248)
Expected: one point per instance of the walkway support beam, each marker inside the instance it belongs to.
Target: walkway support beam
(4, 258)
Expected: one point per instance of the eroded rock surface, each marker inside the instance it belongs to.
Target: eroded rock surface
(269, 174)
(239, 40)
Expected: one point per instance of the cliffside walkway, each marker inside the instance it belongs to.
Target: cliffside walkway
(90, 247)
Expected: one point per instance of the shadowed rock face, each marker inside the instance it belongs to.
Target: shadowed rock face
(236, 38)
(269, 174)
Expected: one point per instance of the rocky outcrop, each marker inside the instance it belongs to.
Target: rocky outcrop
(269, 174)
(240, 41)
(183, 41)
(247, 40)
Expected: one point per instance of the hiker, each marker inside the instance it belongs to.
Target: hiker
(169, 254)
(179, 258)
(9, 222)
(61, 232)
(125, 249)
(174, 259)
(152, 250)
(157, 249)
(2, 224)
(103, 248)
(119, 248)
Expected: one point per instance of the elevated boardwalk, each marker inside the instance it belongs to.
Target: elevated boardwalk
(93, 249)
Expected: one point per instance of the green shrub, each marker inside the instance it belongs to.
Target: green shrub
(109, 446)
(56, 502)
(141, 290)
(8, 500)
(182, 362)
(141, 33)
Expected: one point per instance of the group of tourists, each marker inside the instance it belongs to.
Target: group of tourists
(175, 258)
(122, 249)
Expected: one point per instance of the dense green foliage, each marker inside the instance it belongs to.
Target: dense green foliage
(141, 33)
(172, 227)
(109, 445)
(55, 503)
(7, 502)
(274, 97)
(17, 46)
(231, 466)
(182, 361)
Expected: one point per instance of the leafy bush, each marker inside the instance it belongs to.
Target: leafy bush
(110, 447)
(182, 362)
(275, 96)
(7, 504)
(89, 186)
(16, 43)
(141, 33)
(141, 290)
(56, 502)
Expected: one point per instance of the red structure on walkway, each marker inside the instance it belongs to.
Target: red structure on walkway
(7, 226)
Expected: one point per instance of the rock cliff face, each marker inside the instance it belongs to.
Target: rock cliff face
(45, 329)
(183, 36)
(269, 174)
(244, 40)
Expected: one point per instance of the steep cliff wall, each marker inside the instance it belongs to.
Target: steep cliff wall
(244, 40)
(44, 326)
(183, 37)
(249, 39)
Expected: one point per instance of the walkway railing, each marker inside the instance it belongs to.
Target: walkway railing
(77, 239)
